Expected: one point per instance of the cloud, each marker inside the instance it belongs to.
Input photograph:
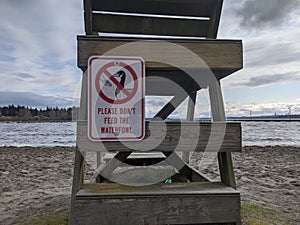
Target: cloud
(6, 58)
(270, 79)
(33, 100)
(38, 46)
(24, 76)
(275, 48)
(266, 13)
(276, 51)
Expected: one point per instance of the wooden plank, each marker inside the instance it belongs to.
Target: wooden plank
(180, 203)
(136, 155)
(124, 24)
(219, 55)
(196, 8)
(161, 137)
(114, 190)
(159, 211)
(138, 159)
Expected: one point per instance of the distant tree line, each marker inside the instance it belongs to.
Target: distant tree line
(22, 113)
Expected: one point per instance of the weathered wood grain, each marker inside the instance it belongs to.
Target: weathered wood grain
(159, 211)
(181, 203)
(114, 190)
(185, 137)
(127, 24)
(195, 8)
(218, 55)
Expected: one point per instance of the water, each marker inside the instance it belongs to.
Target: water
(271, 133)
(63, 134)
(37, 134)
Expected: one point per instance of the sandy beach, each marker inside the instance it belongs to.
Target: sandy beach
(39, 179)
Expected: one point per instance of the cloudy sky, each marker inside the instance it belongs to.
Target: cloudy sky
(38, 55)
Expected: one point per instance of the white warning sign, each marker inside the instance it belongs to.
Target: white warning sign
(116, 92)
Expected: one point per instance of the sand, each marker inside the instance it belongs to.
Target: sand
(39, 179)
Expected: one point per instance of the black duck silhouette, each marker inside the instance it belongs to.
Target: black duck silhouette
(122, 78)
(121, 74)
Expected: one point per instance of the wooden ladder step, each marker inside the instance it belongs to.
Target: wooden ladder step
(177, 203)
(139, 159)
(113, 190)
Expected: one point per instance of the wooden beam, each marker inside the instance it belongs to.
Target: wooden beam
(190, 117)
(88, 17)
(215, 20)
(168, 83)
(191, 106)
(219, 55)
(146, 25)
(164, 137)
(195, 8)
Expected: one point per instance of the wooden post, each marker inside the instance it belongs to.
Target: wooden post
(78, 172)
(218, 114)
(190, 117)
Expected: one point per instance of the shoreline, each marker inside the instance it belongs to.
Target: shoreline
(35, 179)
(245, 148)
(37, 121)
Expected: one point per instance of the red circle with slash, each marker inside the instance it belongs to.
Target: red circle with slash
(129, 95)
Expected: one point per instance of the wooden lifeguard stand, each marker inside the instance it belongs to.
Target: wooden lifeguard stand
(198, 201)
